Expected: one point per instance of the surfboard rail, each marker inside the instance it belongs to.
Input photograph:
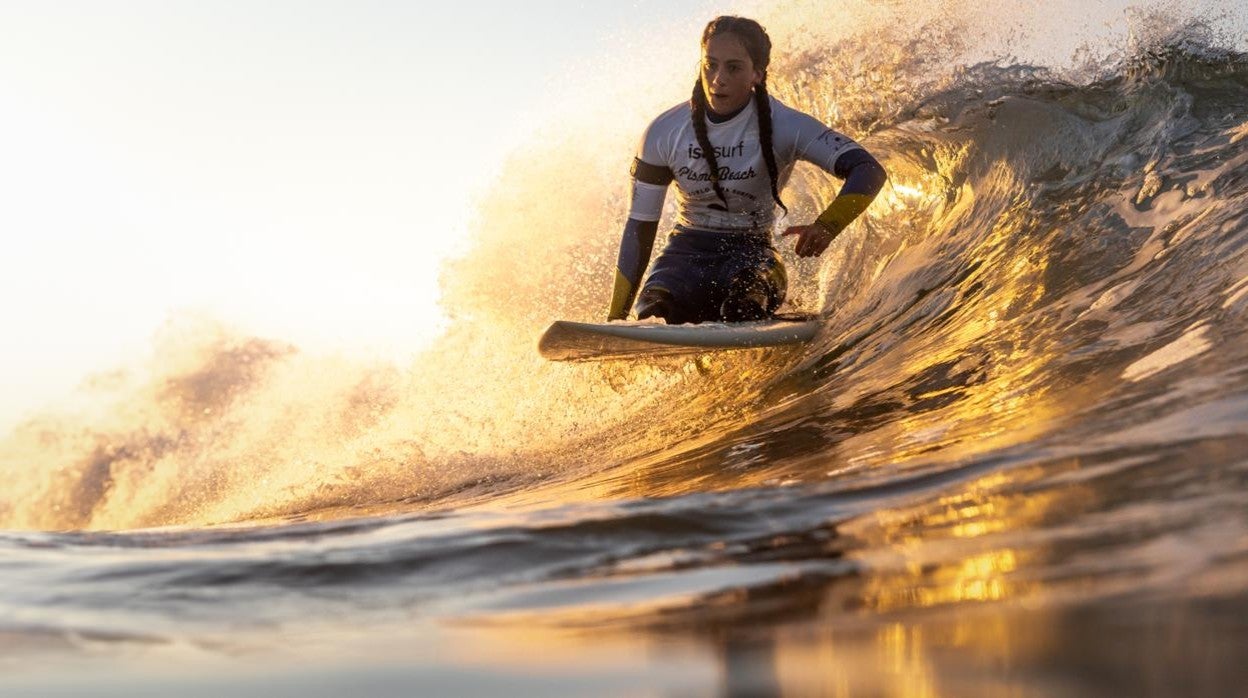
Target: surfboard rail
(567, 340)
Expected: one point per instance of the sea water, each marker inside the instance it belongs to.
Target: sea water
(1015, 460)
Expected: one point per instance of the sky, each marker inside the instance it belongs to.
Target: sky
(295, 169)
(299, 169)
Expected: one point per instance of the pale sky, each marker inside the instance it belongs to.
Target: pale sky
(297, 169)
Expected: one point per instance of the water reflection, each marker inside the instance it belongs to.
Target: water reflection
(1191, 649)
(1027, 575)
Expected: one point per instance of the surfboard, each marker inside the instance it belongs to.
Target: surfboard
(586, 341)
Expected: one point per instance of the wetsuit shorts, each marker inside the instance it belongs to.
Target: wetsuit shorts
(702, 271)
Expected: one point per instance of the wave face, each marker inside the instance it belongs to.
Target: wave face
(1030, 394)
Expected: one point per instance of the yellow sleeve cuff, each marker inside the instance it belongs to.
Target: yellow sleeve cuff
(621, 296)
(843, 210)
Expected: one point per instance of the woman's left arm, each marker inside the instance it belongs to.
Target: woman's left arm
(864, 177)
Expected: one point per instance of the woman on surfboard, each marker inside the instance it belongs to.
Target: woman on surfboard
(730, 149)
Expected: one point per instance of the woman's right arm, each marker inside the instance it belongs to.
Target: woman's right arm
(635, 248)
(649, 189)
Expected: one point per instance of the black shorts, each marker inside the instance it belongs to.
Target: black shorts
(702, 270)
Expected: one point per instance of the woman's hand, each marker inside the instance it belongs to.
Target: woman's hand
(812, 239)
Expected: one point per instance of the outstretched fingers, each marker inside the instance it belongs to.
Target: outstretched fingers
(800, 232)
(805, 246)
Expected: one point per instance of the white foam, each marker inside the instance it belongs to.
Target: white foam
(1191, 344)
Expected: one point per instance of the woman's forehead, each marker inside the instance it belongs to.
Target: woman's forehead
(725, 47)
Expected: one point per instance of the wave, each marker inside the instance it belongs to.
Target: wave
(1057, 266)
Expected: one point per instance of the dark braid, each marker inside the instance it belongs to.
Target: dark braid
(764, 135)
(758, 45)
(698, 105)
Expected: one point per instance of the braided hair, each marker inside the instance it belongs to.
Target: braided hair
(758, 45)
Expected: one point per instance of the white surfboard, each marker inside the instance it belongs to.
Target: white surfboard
(586, 341)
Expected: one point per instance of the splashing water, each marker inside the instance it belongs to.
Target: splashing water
(1030, 392)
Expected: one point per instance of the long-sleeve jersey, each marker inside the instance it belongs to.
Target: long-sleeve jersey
(669, 152)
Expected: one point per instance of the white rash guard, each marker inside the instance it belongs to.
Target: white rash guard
(671, 143)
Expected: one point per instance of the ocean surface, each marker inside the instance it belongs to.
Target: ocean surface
(1014, 461)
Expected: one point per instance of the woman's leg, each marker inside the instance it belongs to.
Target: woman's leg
(755, 289)
(676, 288)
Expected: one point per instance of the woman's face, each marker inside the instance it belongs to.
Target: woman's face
(728, 74)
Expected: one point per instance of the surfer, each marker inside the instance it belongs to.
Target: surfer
(730, 150)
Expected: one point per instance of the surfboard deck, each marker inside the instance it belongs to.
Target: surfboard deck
(587, 341)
